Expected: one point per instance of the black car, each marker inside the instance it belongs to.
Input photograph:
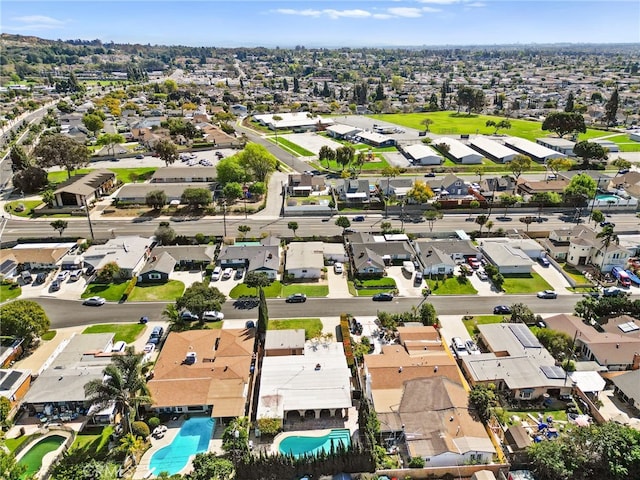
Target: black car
(297, 298)
(622, 171)
(188, 316)
(607, 224)
(501, 310)
(40, 278)
(430, 174)
(358, 218)
(55, 286)
(383, 297)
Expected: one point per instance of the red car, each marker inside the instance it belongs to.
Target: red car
(474, 262)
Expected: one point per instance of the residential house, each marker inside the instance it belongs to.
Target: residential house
(458, 250)
(603, 180)
(627, 386)
(263, 258)
(184, 175)
(531, 187)
(342, 131)
(365, 261)
(284, 342)
(40, 256)
(615, 346)
(537, 153)
(203, 371)
(213, 134)
(507, 257)
(450, 186)
(305, 260)
(370, 253)
(376, 139)
(157, 269)
(136, 193)
(315, 385)
(629, 182)
(61, 384)
(191, 257)
(396, 187)
(354, 191)
(303, 184)
(335, 252)
(14, 384)
(130, 253)
(83, 189)
(434, 260)
(239, 110)
(458, 151)
(561, 145)
(517, 363)
(420, 154)
(11, 349)
(492, 149)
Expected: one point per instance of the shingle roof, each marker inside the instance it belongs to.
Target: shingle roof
(629, 384)
(87, 183)
(186, 253)
(163, 263)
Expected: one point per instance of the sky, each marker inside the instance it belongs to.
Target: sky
(333, 23)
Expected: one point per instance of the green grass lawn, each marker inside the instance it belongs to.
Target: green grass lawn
(127, 332)
(93, 442)
(13, 443)
(378, 164)
(472, 324)
(169, 291)
(384, 282)
(111, 292)
(125, 175)
(9, 291)
(450, 123)
(525, 283)
(49, 335)
(560, 415)
(241, 290)
(293, 147)
(575, 274)
(312, 326)
(625, 144)
(29, 205)
(310, 290)
(451, 286)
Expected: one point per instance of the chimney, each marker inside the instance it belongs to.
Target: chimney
(636, 362)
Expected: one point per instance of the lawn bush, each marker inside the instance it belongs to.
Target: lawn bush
(140, 429)
(153, 422)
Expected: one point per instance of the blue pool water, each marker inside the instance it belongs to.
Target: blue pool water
(604, 198)
(193, 437)
(299, 445)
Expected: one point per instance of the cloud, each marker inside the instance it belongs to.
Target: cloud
(329, 12)
(302, 13)
(35, 22)
(440, 2)
(407, 12)
(475, 4)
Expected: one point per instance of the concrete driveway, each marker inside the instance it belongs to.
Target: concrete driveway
(405, 285)
(68, 289)
(188, 277)
(452, 326)
(485, 288)
(554, 278)
(338, 287)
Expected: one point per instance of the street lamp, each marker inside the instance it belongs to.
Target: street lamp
(86, 209)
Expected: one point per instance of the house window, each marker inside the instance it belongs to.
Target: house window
(155, 276)
(526, 394)
(304, 271)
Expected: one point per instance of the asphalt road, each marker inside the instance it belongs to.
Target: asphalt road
(69, 313)
(308, 226)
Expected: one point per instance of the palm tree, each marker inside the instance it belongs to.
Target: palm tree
(123, 384)
(132, 446)
(172, 315)
(608, 237)
(389, 172)
(489, 226)
(482, 221)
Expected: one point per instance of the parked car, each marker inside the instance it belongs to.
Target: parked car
(156, 335)
(337, 268)
(474, 263)
(144, 320)
(501, 310)
(55, 286)
(75, 275)
(40, 278)
(250, 324)
(612, 292)
(139, 156)
(472, 348)
(382, 297)
(239, 274)
(622, 171)
(94, 301)
(215, 275)
(547, 294)
(607, 224)
(188, 316)
(212, 316)
(228, 272)
(63, 275)
(458, 347)
(482, 275)
(430, 174)
(417, 280)
(358, 218)
(297, 298)
(149, 348)
(543, 261)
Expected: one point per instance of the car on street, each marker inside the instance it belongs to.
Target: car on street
(350, 230)
(430, 175)
(612, 292)
(139, 156)
(297, 298)
(250, 324)
(382, 297)
(215, 275)
(607, 224)
(501, 310)
(547, 294)
(188, 316)
(482, 275)
(212, 316)
(543, 261)
(358, 218)
(622, 171)
(94, 301)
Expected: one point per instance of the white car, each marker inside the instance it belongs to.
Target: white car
(63, 275)
(94, 301)
(149, 348)
(337, 267)
(227, 274)
(212, 316)
(215, 275)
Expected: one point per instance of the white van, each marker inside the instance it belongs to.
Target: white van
(458, 346)
(215, 275)
(118, 347)
(75, 275)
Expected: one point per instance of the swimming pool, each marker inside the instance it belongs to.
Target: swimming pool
(298, 445)
(193, 437)
(33, 458)
(606, 198)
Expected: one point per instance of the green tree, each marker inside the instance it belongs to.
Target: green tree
(5, 410)
(23, 319)
(109, 272)
(232, 191)
(93, 123)
(388, 172)
(199, 298)
(172, 315)
(257, 160)
(597, 216)
(508, 201)
(167, 151)
(557, 343)
(165, 234)
(19, 159)
(621, 163)
(498, 281)
(570, 103)
(590, 151)
(556, 165)
(208, 466)
(432, 216)
(110, 140)
(521, 313)
(263, 314)
(257, 280)
(385, 226)
(581, 185)
(607, 237)
(345, 155)
(10, 469)
(343, 222)
(48, 197)
(562, 123)
(611, 109)
(229, 170)
(59, 226)
(196, 197)
(483, 398)
(123, 385)
(293, 226)
(156, 199)
(427, 122)
(500, 125)
(327, 154)
(132, 446)
(30, 180)
(519, 164)
(244, 229)
(473, 205)
(420, 192)
(543, 199)
(481, 220)
(61, 151)
(427, 314)
(235, 438)
(258, 189)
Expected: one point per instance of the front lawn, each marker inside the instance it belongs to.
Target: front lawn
(312, 326)
(169, 291)
(378, 164)
(451, 286)
(28, 205)
(384, 282)
(127, 332)
(9, 291)
(575, 274)
(111, 292)
(310, 290)
(125, 175)
(472, 324)
(241, 290)
(525, 283)
(49, 335)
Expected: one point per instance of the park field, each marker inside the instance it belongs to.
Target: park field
(452, 123)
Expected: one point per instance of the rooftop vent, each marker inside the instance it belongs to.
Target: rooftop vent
(191, 358)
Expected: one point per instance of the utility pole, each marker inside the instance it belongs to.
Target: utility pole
(86, 209)
(224, 216)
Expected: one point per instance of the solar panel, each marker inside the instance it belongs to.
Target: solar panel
(553, 372)
(10, 380)
(628, 327)
(524, 335)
